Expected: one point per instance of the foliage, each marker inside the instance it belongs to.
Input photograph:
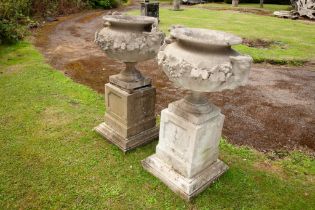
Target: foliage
(46, 8)
(51, 159)
(11, 32)
(15, 14)
(104, 3)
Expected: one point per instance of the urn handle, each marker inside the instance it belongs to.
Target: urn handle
(171, 38)
(106, 23)
(241, 65)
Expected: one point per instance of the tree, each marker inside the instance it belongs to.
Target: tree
(235, 3)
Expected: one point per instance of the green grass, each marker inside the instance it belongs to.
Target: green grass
(51, 159)
(295, 39)
(267, 7)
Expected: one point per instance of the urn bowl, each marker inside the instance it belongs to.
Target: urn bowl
(130, 39)
(202, 60)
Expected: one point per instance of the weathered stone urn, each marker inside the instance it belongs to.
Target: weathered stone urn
(129, 97)
(200, 61)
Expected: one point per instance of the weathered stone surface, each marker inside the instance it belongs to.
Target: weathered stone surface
(202, 60)
(130, 119)
(187, 188)
(198, 60)
(130, 39)
(129, 86)
(186, 146)
(129, 143)
(130, 99)
(186, 157)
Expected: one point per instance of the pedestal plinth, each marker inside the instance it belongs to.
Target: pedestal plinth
(186, 157)
(130, 119)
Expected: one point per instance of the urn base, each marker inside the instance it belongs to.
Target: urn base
(187, 188)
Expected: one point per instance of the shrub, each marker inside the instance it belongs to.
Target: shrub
(14, 14)
(13, 20)
(106, 4)
(11, 32)
(56, 7)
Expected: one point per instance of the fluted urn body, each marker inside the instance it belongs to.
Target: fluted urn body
(130, 39)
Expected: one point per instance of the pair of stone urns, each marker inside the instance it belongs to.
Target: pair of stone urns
(197, 60)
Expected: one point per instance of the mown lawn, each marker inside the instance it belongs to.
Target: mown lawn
(51, 159)
(267, 7)
(294, 41)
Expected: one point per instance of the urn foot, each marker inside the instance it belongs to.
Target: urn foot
(130, 78)
(129, 86)
(130, 118)
(187, 188)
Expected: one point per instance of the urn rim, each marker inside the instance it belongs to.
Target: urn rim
(205, 37)
(130, 20)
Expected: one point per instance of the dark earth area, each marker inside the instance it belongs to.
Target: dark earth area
(275, 111)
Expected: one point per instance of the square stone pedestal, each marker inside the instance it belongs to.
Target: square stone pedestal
(130, 119)
(186, 157)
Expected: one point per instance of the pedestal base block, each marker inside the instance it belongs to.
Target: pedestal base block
(126, 144)
(130, 118)
(186, 157)
(185, 187)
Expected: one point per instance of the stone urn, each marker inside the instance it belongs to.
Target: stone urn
(129, 97)
(130, 39)
(198, 60)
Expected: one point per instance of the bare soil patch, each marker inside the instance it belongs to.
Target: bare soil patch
(275, 111)
(261, 43)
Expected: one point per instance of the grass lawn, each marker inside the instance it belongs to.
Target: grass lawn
(294, 40)
(267, 7)
(51, 159)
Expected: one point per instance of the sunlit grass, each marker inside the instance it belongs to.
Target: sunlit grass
(267, 7)
(51, 159)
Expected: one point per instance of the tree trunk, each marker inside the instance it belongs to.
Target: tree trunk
(261, 3)
(305, 8)
(176, 4)
(235, 3)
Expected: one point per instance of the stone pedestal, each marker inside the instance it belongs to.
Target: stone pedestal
(130, 119)
(186, 157)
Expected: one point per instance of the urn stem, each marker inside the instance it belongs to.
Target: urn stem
(130, 73)
(197, 103)
(195, 97)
